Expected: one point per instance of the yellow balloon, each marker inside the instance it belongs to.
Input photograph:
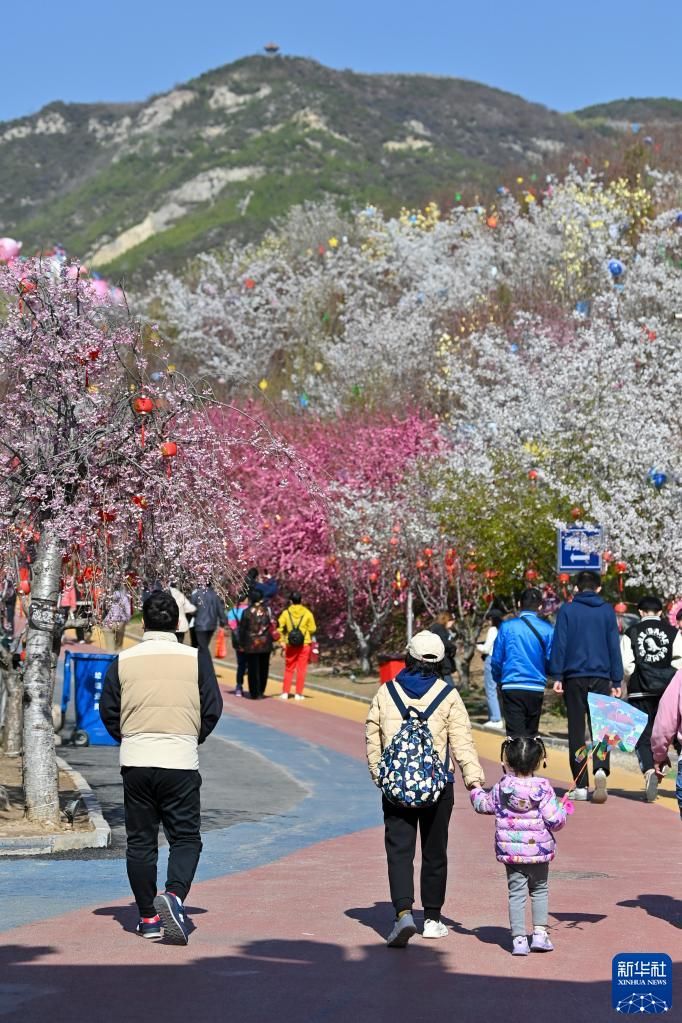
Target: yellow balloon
(519, 181)
(318, 367)
(263, 384)
(333, 243)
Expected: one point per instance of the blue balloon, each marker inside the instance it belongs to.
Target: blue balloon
(678, 218)
(304, 401)
(582, 308)
(157, 375)
(659, 479)
(501, 190)
(513, 348)
(615, 267)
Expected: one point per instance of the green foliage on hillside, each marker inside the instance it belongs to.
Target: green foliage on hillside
(222, 155)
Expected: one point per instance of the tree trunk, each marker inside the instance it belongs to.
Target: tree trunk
(11, 731)
(40, 761)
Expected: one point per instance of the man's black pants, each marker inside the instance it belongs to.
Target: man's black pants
(258, 667)
(400, 836)
(575, 694)
(201, 638)
(153, 796)
(649, 706)
(522, 710)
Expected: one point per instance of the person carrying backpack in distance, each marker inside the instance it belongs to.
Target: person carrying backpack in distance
(255, 639)
(296, 628)
(416, 725)
(520, 664)
(652, 653)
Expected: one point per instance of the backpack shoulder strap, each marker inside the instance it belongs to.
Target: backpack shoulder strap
(535, 633)
(436, 702)
(393, 693)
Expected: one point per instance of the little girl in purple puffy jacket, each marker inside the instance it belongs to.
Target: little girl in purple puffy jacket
(527, 813)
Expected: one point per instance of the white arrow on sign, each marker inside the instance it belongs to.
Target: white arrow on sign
(579, 557)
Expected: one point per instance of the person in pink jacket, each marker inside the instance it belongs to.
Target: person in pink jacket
(527, 813)
(667, 730)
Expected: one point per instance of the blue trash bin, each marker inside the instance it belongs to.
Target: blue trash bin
(87, 673)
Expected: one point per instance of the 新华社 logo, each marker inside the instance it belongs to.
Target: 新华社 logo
(642, 982)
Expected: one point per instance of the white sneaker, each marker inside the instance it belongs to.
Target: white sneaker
(577, 794)
(497, 726)
(434, 929)
(650, 786)
(298, 696)
(600, 794)
(403, 930)
(284, 696)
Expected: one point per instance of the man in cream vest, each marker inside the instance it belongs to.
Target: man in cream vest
(160, 701)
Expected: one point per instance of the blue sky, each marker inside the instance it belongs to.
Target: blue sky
(565, 55)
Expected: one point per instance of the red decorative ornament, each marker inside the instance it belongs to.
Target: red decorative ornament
(394, 541)
(420, 563)
(396, 528)
(249, 283)
(141, 501)
(531, 575)
(374, 562)
(564, 578)
(532, 475)
(607, 556)
(321, 249)
(373, 577)
(428, 552)
(168, 449)
(24, 587)
(576, 513)
(472, 566)
(143, 406)
(25, 288)
(490, 573)
(107, 515)
(620, 608)
(621, 567)
(365, 539)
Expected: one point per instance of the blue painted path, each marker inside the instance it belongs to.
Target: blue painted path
(340, 800)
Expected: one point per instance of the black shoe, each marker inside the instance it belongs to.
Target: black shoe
(172, 914)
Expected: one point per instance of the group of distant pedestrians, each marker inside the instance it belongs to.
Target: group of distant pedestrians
(584, 653)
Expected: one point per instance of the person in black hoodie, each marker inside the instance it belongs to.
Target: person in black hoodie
(585, 659)
(652, 653)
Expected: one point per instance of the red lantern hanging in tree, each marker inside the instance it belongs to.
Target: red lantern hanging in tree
(428, 552)
(531, 575)
(620, 608)
(169, 450)
(142, 406)
(576, 513)
(532, 475)
(24, 587)
(141, 502)
(621, 568)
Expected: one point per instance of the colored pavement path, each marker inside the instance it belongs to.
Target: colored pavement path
(291, 909)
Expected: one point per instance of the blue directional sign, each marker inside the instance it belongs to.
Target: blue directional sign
(579, 549)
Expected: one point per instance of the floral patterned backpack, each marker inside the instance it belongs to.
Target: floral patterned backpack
(410, 771)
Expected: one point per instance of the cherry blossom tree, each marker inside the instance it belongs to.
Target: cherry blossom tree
(109, 459)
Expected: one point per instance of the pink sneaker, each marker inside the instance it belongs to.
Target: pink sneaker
(541, 942)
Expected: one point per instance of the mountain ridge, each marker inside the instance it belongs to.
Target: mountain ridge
(133, 187)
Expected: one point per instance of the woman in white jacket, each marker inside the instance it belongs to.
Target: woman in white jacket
(485, 649)
(185, 607)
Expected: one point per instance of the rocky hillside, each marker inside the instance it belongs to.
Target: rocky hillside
(135, 187)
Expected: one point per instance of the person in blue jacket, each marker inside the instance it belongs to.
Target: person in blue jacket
(586, 659)
(520, 664)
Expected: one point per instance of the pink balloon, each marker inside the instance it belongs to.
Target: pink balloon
(9, 249)
(73, 271)
(117, 296)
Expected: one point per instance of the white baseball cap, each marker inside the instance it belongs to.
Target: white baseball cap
(426, 646)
